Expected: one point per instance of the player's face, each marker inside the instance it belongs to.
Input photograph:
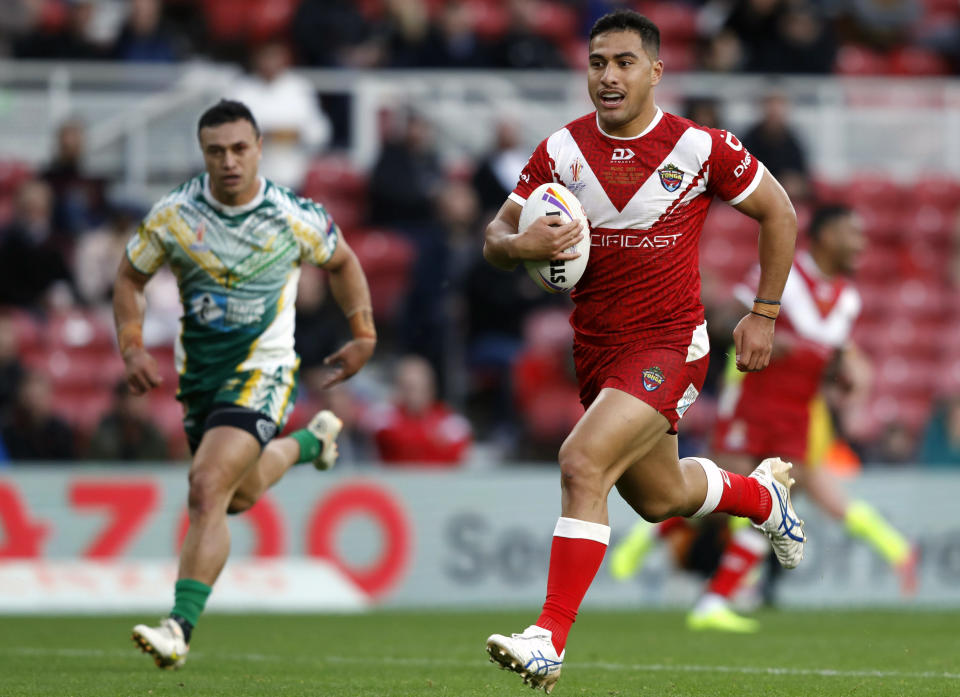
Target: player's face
(231, 152)
(621, 77)
(848, 241)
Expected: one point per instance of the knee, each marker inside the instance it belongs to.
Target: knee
(580, 473)
(656, 510)
(207, 493)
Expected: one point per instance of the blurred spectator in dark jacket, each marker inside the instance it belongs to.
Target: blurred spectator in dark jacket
(417, 429)
(521, 47)
(321, 328)
(71, 40)
(11, 369)
(143, 37)
(127, 432)
(453, 42)
(702, 110)
(30, 430)
(756, 24)
(941, 439)
(336, 34)
(499, 171)
(80, 202)
(32, 265)
(805, 43)
(407, 173)
(881, 24)
(772, 141)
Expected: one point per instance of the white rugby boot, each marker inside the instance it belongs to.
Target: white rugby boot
(165, 643)
(325, 426)
(531, 654)
(783, 527)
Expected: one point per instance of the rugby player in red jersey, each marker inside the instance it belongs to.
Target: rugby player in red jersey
(645, 179)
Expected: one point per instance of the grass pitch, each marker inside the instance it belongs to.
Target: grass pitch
(650, 654)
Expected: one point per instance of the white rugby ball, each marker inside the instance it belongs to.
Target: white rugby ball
(556, 200)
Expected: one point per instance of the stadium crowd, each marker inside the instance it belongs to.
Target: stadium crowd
(468, 354)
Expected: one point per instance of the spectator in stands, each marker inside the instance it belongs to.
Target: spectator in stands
(407, 173)
(97, 255)
(772, 141)
(286, 105)
(702, 110)
(881, 24)
(521, 47)
(143, 37)
(127, 432)
(71, 41)
(32, 266)
(894, 445)
(417, 429)
(722, 53)
(805, 43)
(11, 369)
(444, 247)
(321, 327)
(756, 24)
(336, 35)
(452, 43)
(31, 431)
(80, 201)
(499, 170)
(941, 439)
(408, 28)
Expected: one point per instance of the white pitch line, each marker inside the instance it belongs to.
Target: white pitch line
(430, 662)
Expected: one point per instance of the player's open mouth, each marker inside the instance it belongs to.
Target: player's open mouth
(611, 99)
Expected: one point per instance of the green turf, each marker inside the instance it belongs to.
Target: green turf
(807, 654)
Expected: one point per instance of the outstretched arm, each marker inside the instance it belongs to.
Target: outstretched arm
(771, 207)
(504, 247)
(351, 292)
(129, 307)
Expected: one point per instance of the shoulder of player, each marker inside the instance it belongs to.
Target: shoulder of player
(187, 192)
(305, 209)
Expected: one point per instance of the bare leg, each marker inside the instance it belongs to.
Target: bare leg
(226, 454)
(274, 462)
(823, 488)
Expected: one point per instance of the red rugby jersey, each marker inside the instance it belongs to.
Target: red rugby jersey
(646, 198)
(817, 315)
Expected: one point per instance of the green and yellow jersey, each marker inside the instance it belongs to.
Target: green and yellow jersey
(237, 269)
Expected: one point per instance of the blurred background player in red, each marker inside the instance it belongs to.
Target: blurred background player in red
(771, 412)
(417, 428)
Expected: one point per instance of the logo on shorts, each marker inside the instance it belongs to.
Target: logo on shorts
(671, 177)
(266, 429)
(652, 378)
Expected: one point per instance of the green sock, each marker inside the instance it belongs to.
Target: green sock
(189, 598)
(863, 521)
(310, 446)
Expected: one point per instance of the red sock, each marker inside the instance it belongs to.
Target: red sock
(739, 557)
(733, 493)
(575, 557)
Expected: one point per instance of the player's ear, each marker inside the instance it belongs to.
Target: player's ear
(656, 72)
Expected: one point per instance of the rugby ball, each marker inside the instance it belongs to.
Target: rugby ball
(556, 200)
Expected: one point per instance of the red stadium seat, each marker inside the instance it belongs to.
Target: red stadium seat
(938, 190)
(83, 409)
(270, 18)
(913, 60)
(856, 60)
(676, 20)
(490, 18)
(556, 21)
(678, 56)
(12, 174)
(386, 258)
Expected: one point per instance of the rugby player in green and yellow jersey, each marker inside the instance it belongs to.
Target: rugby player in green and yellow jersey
(235, 242)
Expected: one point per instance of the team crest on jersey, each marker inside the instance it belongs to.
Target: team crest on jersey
(671, 177)
(652, 378)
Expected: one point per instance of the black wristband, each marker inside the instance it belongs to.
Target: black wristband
(766, 302)
(760, 314)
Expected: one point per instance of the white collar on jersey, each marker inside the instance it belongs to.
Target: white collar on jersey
(809, 264)
(233, 210)
(653, 124)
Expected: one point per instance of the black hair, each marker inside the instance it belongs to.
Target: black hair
(227, 111)
(823, 216)
(629, 20)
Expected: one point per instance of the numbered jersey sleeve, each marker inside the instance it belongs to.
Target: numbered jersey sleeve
(734, 172)
(538, 170)
(145, 249)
